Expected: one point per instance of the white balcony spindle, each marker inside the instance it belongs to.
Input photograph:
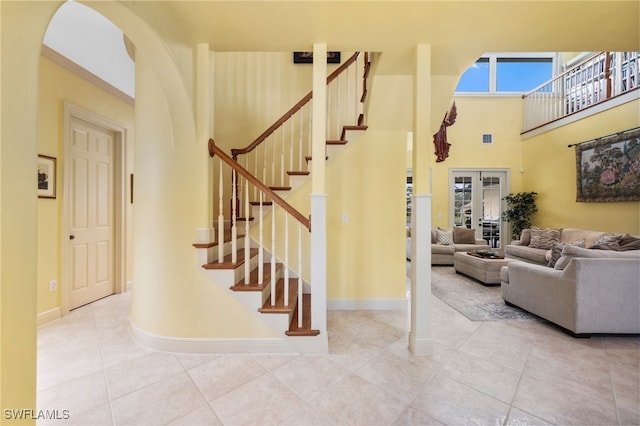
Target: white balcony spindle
(234, 228)
(220, 216)
(260, 245)
(286, 259)
(247, 239)
(299, 275)
(273, 255)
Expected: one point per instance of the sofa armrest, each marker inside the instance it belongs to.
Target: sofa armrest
(482, 242)
(607, 295)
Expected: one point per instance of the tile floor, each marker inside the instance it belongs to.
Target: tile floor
(481, 373)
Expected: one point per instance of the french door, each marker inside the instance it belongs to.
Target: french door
(476, 202)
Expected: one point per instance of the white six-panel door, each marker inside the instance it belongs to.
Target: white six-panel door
(91, 219)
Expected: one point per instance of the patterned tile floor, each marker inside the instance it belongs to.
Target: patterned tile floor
(481, 373)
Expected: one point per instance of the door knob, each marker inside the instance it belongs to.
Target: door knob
(71, 237)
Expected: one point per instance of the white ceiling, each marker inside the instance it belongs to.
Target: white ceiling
(90, 40)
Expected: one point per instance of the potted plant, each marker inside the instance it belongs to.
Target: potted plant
(521, 207)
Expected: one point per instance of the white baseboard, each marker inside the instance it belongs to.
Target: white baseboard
(211, 346)
(50, 315)
(420, 346)
(367, 304)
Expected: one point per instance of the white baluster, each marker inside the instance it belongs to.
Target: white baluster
(300, 275)
(261, 246)
(301, 115)
(309, 130)
(220, 217)
(273, 160)
(273, 254)
(346, 92)
(286, 259)
(282, 147)
(264, 162)
(291, 144)
(328, 127)
(255, 171)
(247, 239)
(337, 107)
(234, 228)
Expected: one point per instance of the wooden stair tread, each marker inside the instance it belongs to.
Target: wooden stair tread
(227, 264)
(253, 279)
(264, 203)
(305, 330)
(298, 173)
(308, 158)
(336, 142)
(227, 238)
(244, 219)
(279, 307)
(280, 188)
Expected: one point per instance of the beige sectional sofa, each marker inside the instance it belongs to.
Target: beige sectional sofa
(442, 251)
(587, 291)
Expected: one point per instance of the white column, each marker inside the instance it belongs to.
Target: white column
(420, 341)
(319, 197)
(319, 268)
(318, 123)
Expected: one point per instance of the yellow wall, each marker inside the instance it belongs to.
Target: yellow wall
(550, 170)
(58, 85)
(500, 116)
(22, 28)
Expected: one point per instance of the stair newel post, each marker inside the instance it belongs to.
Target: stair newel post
(300, 275)
(234, 228)
(247, 239)
(260, 245)
(286, 259)
(220, 216)
(273, 255)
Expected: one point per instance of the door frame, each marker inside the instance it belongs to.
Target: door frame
(503, 206)
(72, 111)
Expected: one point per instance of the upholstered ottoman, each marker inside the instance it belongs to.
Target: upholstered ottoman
(485, 270)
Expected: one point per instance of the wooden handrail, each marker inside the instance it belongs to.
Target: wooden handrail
(237, 151)
(214, 150)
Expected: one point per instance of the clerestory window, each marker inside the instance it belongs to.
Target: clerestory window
(502, 73)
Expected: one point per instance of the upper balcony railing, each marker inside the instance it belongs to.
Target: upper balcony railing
(599, 78)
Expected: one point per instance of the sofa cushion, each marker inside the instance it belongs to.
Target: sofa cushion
(445, 237)
(463, 235)
(526, 253)
(570, 251)
(443, 249)
(525, 237)
(570, 235)
(556, 252)
(434, 235)
(544, 238)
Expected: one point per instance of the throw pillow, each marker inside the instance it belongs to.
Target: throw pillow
(445, 237)
(544, 238)
(629, 242)
(434, 235)
(607, 242)
(463, 235)
(556, 251)
(525, 237)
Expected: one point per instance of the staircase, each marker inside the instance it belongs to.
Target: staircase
(262, 252)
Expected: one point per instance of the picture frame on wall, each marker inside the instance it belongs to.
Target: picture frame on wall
(307, 57)
(46, 176)
(608, 168)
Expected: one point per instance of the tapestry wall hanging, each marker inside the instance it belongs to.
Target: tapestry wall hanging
(608, 168)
